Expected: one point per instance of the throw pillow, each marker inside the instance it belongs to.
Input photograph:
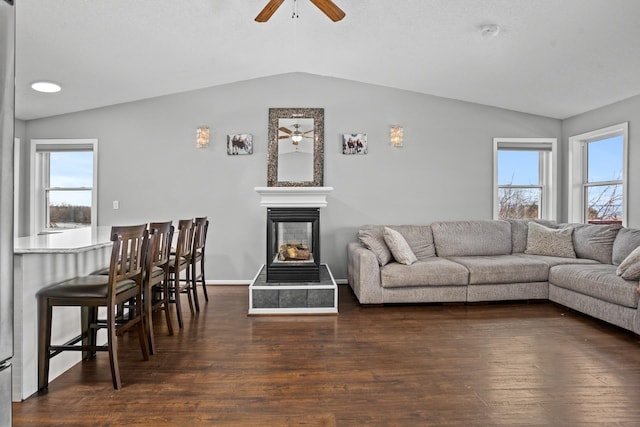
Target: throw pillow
(371, 237)
(629, 269)
(543, 240)
(399, 247)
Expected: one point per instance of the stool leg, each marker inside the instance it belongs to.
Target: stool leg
(112, 345)
(44, 341)
(148, 321)
(176, 297)
(194, 285)
(204, 281)
(143, 337)
(167, 314)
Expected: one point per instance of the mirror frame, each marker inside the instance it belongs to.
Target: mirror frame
(317, 114)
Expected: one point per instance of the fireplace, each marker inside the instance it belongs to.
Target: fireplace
(293, 244)
(293, 280)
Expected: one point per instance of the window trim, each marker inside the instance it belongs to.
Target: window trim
(37, 223)
(576, 209)
(548, 171)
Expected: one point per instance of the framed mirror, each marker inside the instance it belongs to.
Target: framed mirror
(296, 147)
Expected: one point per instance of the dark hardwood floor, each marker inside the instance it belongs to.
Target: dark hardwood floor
(404, 365)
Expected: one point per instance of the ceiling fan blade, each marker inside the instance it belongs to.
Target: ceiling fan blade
(310, 130)
(284, 137)
(268, 10)
(285, 130)
(330, 9)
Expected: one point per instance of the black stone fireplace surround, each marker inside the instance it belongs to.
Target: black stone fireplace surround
(293, 245)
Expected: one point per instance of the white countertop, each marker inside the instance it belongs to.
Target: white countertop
(65, 241)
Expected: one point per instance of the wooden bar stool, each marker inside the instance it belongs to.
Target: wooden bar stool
(197, 257)
(123, 283)
(181, 261)
(156, 287)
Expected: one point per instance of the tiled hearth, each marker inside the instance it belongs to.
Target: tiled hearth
(294, 298)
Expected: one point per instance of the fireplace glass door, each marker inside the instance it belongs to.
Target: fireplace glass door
(293, 245)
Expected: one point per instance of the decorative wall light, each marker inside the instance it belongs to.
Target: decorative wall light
(397, 136)
(202, 137)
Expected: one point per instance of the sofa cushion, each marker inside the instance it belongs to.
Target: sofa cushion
(372, 238)
(598, 281)
(556, 260)
(626, 241)
(470, 238)
(594, 241)
(433, 271)
(629, 269)
(419, 238)
(520, 229)
(543, 240)
(399, 247)
(503, 269)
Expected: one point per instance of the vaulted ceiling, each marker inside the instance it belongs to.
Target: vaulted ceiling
(555, 58)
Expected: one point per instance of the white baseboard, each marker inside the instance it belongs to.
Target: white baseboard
(248, 282)
(228, 282)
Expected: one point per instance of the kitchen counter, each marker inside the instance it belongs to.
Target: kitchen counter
(65, 241)
(43, 260)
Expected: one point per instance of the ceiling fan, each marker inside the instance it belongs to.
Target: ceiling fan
(295, 135)
(328, 7)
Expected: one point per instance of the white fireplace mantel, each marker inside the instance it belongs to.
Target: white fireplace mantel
(293, 197)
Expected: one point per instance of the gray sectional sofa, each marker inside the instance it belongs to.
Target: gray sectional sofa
(576, 265)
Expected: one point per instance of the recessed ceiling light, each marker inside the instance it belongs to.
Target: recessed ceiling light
(46, 87)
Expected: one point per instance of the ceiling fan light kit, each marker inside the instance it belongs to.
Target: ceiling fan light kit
(327, 7)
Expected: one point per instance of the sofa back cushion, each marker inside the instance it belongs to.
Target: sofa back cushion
(418, 237)
(472, 238)
(594, 241)
(626, 241)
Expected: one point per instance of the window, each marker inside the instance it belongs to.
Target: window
(598, 175)
(524, 178)
(65, 178)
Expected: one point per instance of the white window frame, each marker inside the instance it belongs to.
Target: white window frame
(578, 169)
(548, 173)
(39, 170)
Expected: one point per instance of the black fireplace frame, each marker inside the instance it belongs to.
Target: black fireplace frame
(299, 271)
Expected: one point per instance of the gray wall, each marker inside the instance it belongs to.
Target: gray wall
(148, 160)
(623, 111)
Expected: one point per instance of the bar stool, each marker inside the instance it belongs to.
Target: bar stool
(178, 262)
(197, 257)
(156, 288)
(123, 283)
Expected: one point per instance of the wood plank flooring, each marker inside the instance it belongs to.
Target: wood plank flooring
(404, 365)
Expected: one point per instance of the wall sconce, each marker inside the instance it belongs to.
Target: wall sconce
(202, 137)
(397, 136)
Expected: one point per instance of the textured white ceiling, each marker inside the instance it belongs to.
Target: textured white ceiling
(555, 58)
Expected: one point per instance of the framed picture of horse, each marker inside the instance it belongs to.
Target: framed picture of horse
(354, 143)
(240, 144)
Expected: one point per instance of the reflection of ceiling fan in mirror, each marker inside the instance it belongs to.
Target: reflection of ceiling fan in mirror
(296, 135)
(328, 7)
